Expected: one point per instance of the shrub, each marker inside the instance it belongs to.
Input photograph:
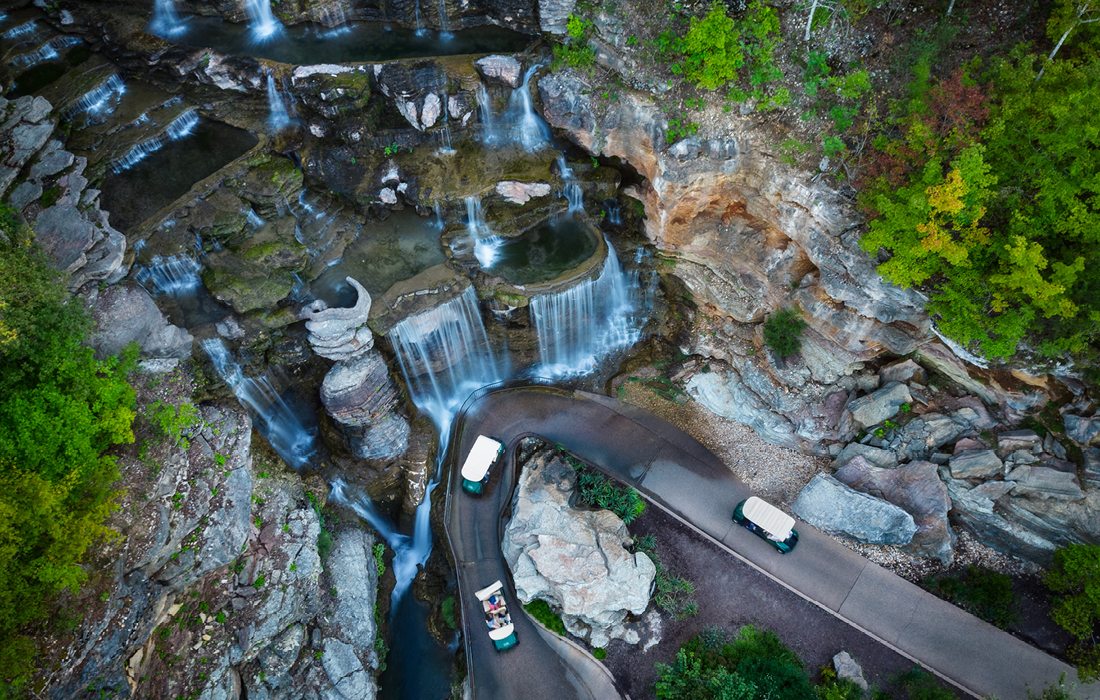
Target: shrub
(61, 412)
(324, 543)
(783, 331)
(598, 491)
(672, 594)
(541, 611)
(174, 422)
(447, 612)
(711, 49)
(985, 593)
(1074, 579)
(919, 684)
(379, 551)
(600, 653)
(575, 52)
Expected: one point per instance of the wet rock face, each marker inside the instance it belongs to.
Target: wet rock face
(361, 396)
(574, 559)
(47, 185)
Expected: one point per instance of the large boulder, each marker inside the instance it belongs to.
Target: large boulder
(1044, 482)
(506, 69)
(917, 488)
(876, 456)
(577, 560)
(360, 395)
(125, 314)
(921, 436)
(837, 508)
(976, 510)
(340, 333)
(879, 405)
(975, 464)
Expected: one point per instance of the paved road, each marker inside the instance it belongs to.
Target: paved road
(684, 478)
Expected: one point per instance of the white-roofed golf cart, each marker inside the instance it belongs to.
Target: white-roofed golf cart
(767, 521)
(497, 617)
(475, 470)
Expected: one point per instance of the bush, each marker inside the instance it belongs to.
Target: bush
(600, 653)
(674, 595)
(711, 49)
(985, 593)
(918, 684)
(575, 52)
(783, 331)
(1074, 579)
(447, 611)
(598, 491)
(174, 422)
(61, 412)
(541, 611)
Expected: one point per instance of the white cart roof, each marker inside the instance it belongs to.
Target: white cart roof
(481, 457)
(501, 632)
(774, 521)
(494, 587)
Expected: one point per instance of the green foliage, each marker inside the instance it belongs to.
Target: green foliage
(1052, 692)
(711, 49)
(575, 52)
(680, 129)
(783, 331)
(324, 543)
(61, 411)
(174, 422)
(985, 593)
(598, 491)
(600, 653)
(919, 684)
(673, 594)
(752, 665)
(379, 551)
(1074, 579)
(541, 611)
(447, 611)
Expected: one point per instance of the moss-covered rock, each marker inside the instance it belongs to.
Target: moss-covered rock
(259, 271)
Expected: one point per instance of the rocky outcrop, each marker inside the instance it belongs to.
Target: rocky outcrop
(577, 560)
(125, 314)
(830, 505)
(360, 395)
(553, 14)
(879, 405)
(47, 185)
(340, 333)
(506, 69)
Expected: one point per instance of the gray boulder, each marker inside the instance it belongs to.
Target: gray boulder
(834, 507)
(879, 405)
(574, 559)
(848, 670)
(1044, 482)
(125, 314)
(1013, 440)
(917, 488)
(975, 464)
(506, 69)
(340, 333)
(903, 371)
(974, 509)
(921, 436)
(1084, 431)
(878, 457)
(360, 395)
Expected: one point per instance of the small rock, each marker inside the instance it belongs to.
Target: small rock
(879, 405)
(521, 192)
(847, 669)
(903, 371)
(1083, 431)
(1013, 440)
(969, 443)
(880, 458)
(976, 464)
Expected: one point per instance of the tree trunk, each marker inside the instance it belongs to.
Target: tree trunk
(810, 20)
(1080, 13)
(950, 7)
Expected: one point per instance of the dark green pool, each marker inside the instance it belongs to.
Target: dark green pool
(546, 251)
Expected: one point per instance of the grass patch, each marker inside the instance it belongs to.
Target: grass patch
(447, 611)
(541, 611)
(982, 592)
(673, 594)
(600, 653)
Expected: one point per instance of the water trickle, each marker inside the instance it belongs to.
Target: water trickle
(176, 275)
(490, 135)
(486, 244)
(445, 147)
(166, 21)
(571, 190)
(262, 22)
(614, 212)
(49, 51)
(532, 131)
(99, 102)
(444, 23)
(278, 116)
(284, 429)
(21, 31)
(420, 31)
(254, 219)
(179, 128)
(335, 17)
(438, 221)
(580, 326)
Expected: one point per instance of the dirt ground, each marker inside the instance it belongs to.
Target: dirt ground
(730, 594)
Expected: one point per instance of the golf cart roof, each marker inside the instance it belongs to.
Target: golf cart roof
(494, 587)
(501, 632)
(772, 520)
(481, 457)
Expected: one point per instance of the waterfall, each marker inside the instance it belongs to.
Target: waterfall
(571, 189)
(179, 128)
(532, 131)
(49, 51)
(438, 221)
(277, 421)
(254, 219)
(20, 31)
(420, 31)
(444, 23)
(278, 116)
(176, 275)
(486, 243)
(445, 147)
(100, 101)
(582, 325)
(444, 355)
(335, 17)
(489, 134)
(613, 212)
(166, 21)
(262, 21)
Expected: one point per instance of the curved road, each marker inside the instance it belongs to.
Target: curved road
(686, 480)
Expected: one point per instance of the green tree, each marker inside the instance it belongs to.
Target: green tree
(61, 411)
(712, 51)
(783, 332)
(1074, 579)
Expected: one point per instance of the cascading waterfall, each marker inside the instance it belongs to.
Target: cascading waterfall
(580, 326)
(531, 131)
(335, 17)
(100, 101)
(263, 24)
(176, 275)
(438, 221)
(490, 135)
(278, 116)
(254, 219)
(445, 147)
(486, 243)
(444, 23)
(571, 190)
(21, 31)
(614, 212)
(166, 21)
(179, 128)
(420, 31)
(49, 51)
(278, 422)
